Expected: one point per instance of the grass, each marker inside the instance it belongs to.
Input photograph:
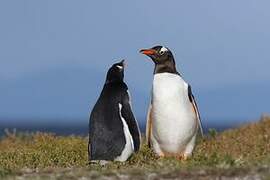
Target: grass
(235, 151)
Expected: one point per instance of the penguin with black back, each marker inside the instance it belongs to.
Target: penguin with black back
(113, 130)
(173, 117)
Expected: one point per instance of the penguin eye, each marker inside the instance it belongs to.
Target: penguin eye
(161, 52)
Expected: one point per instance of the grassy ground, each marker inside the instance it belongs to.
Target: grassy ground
(243, 152)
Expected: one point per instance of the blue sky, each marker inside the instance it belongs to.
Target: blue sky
(55, 54)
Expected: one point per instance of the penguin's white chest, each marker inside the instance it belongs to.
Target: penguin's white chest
(174, 121)
(129, 146)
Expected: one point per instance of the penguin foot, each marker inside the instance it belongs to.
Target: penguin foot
(183, 157)
(161, 155)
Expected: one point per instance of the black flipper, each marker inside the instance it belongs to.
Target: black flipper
(131, 121)
(193, 101)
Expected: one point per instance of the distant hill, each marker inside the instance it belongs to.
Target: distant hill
(58, 93)
(66, 95)
(234, 104)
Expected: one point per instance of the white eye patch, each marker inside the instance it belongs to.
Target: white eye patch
(163, 49)
(119, 67)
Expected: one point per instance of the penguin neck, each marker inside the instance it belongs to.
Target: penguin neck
(116, 80)
(113, 77)
(168, 67)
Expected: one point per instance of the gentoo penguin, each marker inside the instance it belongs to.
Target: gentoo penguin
(113, 131)
(173, 118)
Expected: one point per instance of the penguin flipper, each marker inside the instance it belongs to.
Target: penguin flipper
(195, 107)
(149, 125)
(127, 114)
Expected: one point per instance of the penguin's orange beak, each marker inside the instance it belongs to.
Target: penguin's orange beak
(148, 51)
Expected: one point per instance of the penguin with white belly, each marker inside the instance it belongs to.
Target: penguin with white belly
(113, 130)
(173, 118)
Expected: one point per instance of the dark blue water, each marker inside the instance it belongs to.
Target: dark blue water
(77, 129)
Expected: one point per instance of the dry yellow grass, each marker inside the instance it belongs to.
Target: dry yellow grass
(249, 144)
(244, 147)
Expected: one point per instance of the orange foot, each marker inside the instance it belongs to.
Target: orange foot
(182, 157)
(161, 155)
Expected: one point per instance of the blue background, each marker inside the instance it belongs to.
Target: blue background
(54, 56)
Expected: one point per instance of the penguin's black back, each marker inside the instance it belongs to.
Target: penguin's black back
(107, 137)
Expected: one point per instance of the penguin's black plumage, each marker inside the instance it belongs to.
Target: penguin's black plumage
(113, 131)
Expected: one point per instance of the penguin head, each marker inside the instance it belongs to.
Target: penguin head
(159, 54)
(116, 72)
(163, 59)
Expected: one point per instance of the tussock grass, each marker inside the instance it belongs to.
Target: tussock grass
(41, 150)
(247, 146)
